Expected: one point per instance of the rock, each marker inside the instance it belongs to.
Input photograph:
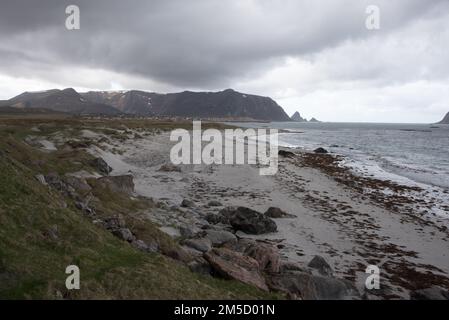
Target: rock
(219, 238)
(266, 255)
(41, 179)
(202, 244)
(76, 144)
(169, 167)
(80, 205)
(101, 166)
(286, 154)
(124, 234)
(320, 150)
(200, 265)
(78, 184)
(186, 203)
(213, 218)
(116, 222)
(54, 181)
(120, 184)
(214, 203)
(432, 293)
(318, 263)
(277, 213)
(234, 265)
(310, 287)
(186, 232)
(249, 221)
(142, 246)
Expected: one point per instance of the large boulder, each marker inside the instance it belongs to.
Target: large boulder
(233, 265)
(320, 150)
(220, 237)
(321, 266)
(266, 255)
(248, 220)
(101, 166)
(277, 213)
(202, 244)
(309, 287)
(120, 184)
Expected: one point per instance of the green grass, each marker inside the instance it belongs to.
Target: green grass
(32, 262)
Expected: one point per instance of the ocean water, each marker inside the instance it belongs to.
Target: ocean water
(406, 153)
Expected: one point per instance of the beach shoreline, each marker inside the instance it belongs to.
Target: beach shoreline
(335, 216)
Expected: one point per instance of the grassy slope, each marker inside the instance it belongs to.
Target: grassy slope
(32, 262)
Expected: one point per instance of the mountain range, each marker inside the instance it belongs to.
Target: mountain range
(227, 104)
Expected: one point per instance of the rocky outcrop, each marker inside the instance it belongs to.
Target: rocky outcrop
(233, 265)
(120, 184)
(247, 220)
(314, 120)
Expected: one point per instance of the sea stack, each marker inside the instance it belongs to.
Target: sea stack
(297, 117)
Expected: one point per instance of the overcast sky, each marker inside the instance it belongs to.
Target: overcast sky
(312, 56)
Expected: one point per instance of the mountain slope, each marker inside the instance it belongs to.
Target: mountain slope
(224, 104)
(67, 100)
(42, 232)
(445, 119)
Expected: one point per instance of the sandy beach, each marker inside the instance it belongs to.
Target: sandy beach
(349, 221)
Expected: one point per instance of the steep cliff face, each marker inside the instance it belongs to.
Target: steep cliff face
(445, 119)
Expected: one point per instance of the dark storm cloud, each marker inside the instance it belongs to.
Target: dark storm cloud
(206, 43)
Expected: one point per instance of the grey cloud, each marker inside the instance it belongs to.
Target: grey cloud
(204, 44)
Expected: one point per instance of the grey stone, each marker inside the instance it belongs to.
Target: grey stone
(101, 166)
(249, 221)
(219, 238)
(277, 213)
(310, 287)
(186, 203)
(200, 265)
(120, 184)
(202, 244)
(41, 179)
(214, 203)
(320, 150)
(319, 264)
(124, 234)
(142, 246)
